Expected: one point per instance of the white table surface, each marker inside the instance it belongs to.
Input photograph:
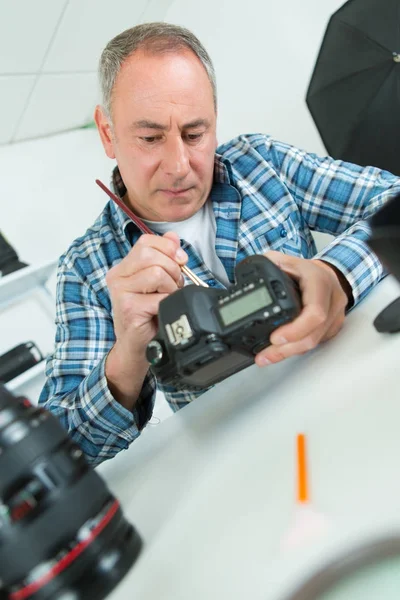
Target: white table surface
(212, 488)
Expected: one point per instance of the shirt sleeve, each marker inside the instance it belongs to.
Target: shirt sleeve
(338, 198)
(76, 389)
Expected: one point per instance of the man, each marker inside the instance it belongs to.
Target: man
(213, 208)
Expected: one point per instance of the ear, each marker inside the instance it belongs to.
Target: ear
(104, 128)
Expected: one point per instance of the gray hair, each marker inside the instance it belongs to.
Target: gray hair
(154, 37)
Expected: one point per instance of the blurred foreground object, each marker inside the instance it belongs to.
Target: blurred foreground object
(19, 359)
(365, 573)
(354, 93)
(385, 242)
(62, 533)
(9, 261)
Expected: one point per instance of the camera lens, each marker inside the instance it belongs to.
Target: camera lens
(62, 534)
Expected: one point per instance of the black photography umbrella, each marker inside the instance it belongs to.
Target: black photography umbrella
(354, 93)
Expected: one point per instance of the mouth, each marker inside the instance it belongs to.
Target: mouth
(176, 192)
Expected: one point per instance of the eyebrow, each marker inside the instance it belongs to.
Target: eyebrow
(145, 124)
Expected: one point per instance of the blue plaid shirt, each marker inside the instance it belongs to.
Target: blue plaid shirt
(266, 196)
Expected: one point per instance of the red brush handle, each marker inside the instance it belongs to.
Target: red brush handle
(143, 228)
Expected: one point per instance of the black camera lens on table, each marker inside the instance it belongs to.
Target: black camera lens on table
(205, 335)
(9, 261)
(62, 533)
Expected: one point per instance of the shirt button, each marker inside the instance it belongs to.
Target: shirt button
(283, 233)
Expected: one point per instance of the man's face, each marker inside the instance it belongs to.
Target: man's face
(163, 134)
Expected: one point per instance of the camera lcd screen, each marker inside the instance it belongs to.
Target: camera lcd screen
(245, 305)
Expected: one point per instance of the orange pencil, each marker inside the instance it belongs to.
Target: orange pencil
(302, 474)
(308, 523)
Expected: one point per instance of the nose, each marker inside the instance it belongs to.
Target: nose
(175, 160)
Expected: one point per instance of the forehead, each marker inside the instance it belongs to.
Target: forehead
(156, 80)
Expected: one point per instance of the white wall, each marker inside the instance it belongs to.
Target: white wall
(48, 191)
(264, 54)
(48, 197)
(49, 50)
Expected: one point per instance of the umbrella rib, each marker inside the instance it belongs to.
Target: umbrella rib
(336, 81)
(366, 36)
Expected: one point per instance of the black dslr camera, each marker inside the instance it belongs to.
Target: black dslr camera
(206, 335)
(62, 534)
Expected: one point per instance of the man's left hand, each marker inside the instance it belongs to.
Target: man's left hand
(324, 304)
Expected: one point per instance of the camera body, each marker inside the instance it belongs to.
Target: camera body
(207, 334)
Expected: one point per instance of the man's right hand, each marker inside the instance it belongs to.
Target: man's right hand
(148, 274)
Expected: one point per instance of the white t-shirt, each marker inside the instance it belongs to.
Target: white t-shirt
(199, 231)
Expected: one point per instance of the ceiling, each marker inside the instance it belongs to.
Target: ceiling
(49, 50)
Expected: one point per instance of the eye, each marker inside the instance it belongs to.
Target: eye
(150, 139)
(193, 137)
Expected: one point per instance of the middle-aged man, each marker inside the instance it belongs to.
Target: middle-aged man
(213, 207)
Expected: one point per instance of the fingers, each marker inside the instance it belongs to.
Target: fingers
(148, 257)
(278, 352)
(316, 295)
(154, 278)
(316, 299)
(153, 254)
(148, 274)
(148, 305)
(322, 316)
(167, 245)
(171, 235)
